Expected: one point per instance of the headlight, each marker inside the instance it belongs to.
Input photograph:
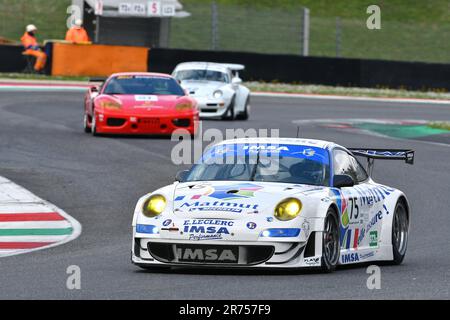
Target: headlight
(218, 94)
(154, 205)
(107, 104)
(184, 106)
(288, 209)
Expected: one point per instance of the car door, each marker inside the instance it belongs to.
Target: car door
(354, 211)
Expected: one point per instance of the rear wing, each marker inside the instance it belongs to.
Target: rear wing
(406, 155)
(97, 79)
(234, 66)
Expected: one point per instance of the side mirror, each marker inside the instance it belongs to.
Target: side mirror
(343, 180)
(94, 89)
(181, 175)
(236, 81)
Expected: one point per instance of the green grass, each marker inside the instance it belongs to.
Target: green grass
(49, 16)
(25, 76)
(346, 91)
(444, 125)
(411, 30)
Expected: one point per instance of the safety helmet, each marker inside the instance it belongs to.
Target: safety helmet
(78, 23)
(31, 28)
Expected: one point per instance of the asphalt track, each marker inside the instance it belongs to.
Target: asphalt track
(98, 180)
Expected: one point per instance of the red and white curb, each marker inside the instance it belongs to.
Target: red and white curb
(29, 223)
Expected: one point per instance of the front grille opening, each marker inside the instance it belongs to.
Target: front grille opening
(115, 122)
(310, 250)
(137, 247)
(257, 254)
(251, 255)
(209, 110)
(212, 104)
(181, 122)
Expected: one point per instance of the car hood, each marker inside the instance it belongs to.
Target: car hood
(201, 88)
(233, 199)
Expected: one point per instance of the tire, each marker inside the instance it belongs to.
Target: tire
(229, 115)
(245, 114)
(330, 242)
(86, 128)
(400, 230)
(94, 125)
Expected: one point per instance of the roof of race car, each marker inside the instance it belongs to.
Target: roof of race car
(224, 67)
(272, 140)
(150, 74)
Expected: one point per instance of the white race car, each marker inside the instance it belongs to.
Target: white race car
(278, 203)
(216, 87)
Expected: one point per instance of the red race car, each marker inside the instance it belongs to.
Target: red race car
(139, 103)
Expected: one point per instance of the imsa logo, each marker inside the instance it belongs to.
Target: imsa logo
(207, 255)
(350, 257)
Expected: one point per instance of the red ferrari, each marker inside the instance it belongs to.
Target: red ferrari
(139, 103)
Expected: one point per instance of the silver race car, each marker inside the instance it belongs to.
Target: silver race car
(216, 87)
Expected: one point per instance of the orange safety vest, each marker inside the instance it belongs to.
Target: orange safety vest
(77, 35)
(28, 41)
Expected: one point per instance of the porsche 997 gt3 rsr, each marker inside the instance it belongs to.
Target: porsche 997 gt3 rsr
(274, 203)
(139, 103)
(217, 89)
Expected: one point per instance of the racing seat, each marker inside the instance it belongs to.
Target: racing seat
(29, 63)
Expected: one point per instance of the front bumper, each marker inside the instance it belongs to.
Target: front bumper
(137, 124)
(156, 252)
(210, 107)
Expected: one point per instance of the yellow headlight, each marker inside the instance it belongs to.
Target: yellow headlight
(110, 105)
(154, 206)
(184, 106)
(288, 209)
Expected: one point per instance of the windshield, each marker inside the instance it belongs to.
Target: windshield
(202, 74)
(274, 163)
(150, 85)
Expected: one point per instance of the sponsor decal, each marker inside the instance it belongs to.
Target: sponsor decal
(206, 229)
(218, 206)
(309, 152)
(269, 219)
(207, 254)
(251, 225)
(349, 257)
(294, 151)
(377, 217)
(373, 238)
(351, 239)
(167, 222)
(145, 98)
(312, 261)
(366, 255)
(235, 191)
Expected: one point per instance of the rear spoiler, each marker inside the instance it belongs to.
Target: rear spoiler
(97, 79)
(406, 155)
(234, 66)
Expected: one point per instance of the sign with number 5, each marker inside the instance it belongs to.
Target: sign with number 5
(154, 8)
